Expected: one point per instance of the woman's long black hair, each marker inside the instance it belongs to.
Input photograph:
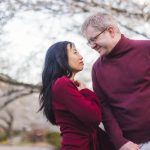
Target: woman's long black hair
(56, 65)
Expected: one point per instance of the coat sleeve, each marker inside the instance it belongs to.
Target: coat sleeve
(91, 96)
(110, 123)
(85, 109)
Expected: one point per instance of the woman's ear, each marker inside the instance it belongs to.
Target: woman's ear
(68, 47)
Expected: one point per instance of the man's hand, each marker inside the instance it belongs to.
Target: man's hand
(130, 146)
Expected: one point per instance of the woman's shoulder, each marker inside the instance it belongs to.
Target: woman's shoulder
(61, 82)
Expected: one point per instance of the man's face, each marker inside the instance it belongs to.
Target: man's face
(101, 41)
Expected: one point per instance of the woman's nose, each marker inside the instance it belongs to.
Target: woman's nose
(81, 57)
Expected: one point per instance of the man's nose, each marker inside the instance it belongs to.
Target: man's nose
(93, 45)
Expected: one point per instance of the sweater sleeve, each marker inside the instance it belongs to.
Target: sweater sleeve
(91, 96)
(110, 123)
(85, 109)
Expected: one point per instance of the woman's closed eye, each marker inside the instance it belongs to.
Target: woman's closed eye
(76, 52)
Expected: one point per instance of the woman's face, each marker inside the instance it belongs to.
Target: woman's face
(75, 60)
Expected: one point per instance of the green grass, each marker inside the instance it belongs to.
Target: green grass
(54, 139)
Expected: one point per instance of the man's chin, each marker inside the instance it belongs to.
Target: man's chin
(102, 53)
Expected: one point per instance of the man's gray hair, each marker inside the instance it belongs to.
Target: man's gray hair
(99, 21)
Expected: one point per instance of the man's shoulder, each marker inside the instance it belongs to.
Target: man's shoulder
(142, 46)
(97, 62)
(138, 42)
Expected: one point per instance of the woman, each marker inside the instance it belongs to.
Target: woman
(67, 102)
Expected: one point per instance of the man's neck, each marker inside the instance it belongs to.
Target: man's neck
(116, 40)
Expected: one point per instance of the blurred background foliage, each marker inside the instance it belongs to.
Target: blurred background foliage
(27, 29)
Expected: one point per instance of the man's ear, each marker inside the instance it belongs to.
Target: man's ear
(111, 30)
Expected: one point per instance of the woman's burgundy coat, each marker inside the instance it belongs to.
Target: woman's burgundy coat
(78, 113)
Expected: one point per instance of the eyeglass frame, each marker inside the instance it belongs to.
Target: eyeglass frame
(90, 41)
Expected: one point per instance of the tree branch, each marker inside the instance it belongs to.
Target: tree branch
(15, 98)
(7, 79)
(137, 32)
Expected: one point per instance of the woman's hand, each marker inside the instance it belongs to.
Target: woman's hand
(80, 85)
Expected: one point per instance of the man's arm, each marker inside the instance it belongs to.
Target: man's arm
(110, 123)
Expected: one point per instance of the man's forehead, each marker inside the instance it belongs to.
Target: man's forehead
(90, 31)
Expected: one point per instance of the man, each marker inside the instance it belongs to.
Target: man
(121, 78)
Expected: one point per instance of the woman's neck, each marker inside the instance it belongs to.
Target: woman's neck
(72, 77)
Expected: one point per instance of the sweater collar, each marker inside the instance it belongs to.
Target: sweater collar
(120, 48)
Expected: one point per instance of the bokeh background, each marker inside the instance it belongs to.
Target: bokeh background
(27, 29)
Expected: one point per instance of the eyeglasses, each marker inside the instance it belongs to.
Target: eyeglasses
(90, 41)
